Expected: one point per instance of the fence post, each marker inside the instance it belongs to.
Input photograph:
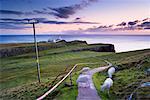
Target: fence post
(71, 79)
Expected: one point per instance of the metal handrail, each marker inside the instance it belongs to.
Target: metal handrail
(49, 91)
(53, 88)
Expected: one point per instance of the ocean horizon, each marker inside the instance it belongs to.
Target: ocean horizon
(122, 43)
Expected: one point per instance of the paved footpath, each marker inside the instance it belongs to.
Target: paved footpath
(90, 92)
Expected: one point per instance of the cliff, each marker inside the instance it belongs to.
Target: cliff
(18, 49)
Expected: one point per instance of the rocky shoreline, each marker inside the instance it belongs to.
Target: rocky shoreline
(18, 50)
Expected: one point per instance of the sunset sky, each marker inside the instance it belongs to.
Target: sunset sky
(64, 16)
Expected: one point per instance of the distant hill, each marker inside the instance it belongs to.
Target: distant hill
(7, 50)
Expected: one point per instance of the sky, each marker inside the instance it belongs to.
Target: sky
(69, 16)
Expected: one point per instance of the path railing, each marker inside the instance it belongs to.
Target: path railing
(69, 73)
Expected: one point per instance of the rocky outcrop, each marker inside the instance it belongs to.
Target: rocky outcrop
(104, 48)
(7, 52)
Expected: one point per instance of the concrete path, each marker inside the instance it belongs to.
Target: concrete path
(88, 91)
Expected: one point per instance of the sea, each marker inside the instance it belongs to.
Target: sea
(122, 43)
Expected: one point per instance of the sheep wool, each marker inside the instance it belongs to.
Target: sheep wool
(107, 84)
(111, 71)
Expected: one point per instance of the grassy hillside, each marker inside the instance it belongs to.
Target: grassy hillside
(8, 50)
(127, 78)
(19, 75)
(131, 72)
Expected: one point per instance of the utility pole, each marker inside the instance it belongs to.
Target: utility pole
(37, 53)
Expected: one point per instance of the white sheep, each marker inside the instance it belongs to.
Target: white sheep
(111, 71)
(107, 84)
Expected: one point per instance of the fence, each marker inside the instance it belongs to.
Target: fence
(69, 73)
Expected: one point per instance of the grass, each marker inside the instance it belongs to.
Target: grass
(24, 69)
(100, 77)
(18, 74)
(126, 79)
(69, 92)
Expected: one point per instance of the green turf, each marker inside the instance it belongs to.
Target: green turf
(19, 75)
(126, 79)
(121, 59)
(20, 72)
